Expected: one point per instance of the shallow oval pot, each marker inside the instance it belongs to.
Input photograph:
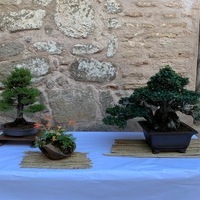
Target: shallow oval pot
(168, 141)
(18, 132)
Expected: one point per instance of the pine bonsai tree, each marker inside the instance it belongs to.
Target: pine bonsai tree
(19, 94)
(158, 102)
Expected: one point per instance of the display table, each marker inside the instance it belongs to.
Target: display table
(110, 178)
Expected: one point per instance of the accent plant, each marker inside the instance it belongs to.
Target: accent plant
(53, 141)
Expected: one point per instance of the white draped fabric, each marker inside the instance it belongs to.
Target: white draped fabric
(110, 178)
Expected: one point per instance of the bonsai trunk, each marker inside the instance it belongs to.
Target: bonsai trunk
(166, 118)
(19, 127)
(20, 119)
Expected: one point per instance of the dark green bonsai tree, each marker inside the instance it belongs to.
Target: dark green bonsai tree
(158, 102)
(19, 94)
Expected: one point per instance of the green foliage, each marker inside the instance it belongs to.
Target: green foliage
(4, 106)
(19, 78)
(19, 94)
(34, 108)
(167, 79)
(158, 102)
(58, 138)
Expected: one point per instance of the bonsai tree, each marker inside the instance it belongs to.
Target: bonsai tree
(19, 94)
(157, 102)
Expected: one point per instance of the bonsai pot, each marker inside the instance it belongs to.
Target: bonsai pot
(177, 140)
(10, 130)
(54, 153)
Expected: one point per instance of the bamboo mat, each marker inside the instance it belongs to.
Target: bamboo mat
(77, 160)
(139, 149)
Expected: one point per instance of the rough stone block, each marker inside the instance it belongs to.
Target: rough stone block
(75, 18)
(112, 6)
(38, 66)
(50, 47)
(5, 69)
(93, 71)
(106, 100)
(10, 49)
(83, 49)
(10, 2)
(112, 23)
(145, 4)
(73, 104)
(174, 4)
(169, 15)
(112, 46)
(22, 20)
(133, 14)
(42, 2)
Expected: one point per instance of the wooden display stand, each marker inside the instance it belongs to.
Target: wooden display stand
(30, 138)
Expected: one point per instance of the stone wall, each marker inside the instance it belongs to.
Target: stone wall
(86, 54)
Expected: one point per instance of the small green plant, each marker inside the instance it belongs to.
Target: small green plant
(19, 94)
(158, 102)
(54, 136)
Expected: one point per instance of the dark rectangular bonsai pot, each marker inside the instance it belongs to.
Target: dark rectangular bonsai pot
(177, 140)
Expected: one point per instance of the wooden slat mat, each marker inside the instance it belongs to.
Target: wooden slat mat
(77, 160)
(139, 148)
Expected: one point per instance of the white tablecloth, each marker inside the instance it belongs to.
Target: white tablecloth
(110, 178)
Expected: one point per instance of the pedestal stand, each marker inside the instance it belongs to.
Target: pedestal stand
(29, 138)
